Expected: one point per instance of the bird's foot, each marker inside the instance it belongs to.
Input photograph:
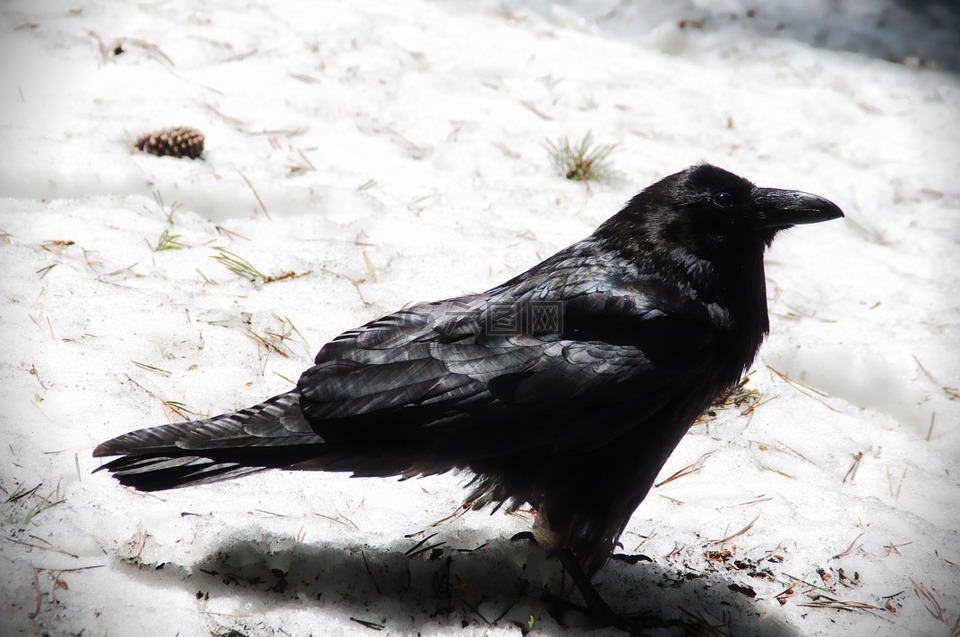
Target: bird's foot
(599, 610)
(635, 624)
(630, 558)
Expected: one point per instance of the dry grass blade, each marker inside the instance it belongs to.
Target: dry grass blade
(57, 583)
(105, 51)
(354, 282)
(895, 548)
(799, 580)
(230, 234)
(51, 500)
(781, 448)
(55, 246)
(414, 550)
(424, 549)
(289, 274)
(274, 341)
(255, 194)
(756, 500)
(135, 545)
(839, 604)
(151, 368)
(270, 513)
(737, 534)
(503, 148)
(951, 392)
(340, 519)
(91, 261)
(129, 269)
(33, 372)
(49, 546)
(688, 470)
(176, 410)
(205, 278)
(164, 210)
(700, 626)
(151, 49)
(368, 624)
(533, 109)
(287, 132)
(271, 342)
(852, 471)
(848, 549)
(20, 493)
(371, 269)
(284, 321)
(740, 396)
(305, 166)
(236, 57)
(453, 516)
(928, 600)
(806, 390)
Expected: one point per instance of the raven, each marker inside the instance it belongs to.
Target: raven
(566, 387)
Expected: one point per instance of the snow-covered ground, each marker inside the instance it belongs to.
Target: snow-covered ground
(390, 152)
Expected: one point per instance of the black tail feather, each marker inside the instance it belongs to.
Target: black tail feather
(157, 473)
(272, 434)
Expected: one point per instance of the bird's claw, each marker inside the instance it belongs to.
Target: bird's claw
(524, 535)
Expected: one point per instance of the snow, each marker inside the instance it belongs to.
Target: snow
(411, 135)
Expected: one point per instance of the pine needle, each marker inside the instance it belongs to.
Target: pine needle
(167, 241)
(584, 161)
(151, 368)
(238, 265)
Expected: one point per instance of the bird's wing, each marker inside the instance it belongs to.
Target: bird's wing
(449, 379)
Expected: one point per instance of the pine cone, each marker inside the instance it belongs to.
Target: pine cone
(178, 141)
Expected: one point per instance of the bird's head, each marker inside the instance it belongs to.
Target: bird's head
(705, 207)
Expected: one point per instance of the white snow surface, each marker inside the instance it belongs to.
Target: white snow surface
(398, 148)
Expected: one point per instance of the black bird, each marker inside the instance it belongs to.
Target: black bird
(567, 387)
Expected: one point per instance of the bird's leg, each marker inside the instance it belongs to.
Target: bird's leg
(553, 542)
(595, 603)
(634, 623)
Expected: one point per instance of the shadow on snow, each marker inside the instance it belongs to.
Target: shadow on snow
(449, 582)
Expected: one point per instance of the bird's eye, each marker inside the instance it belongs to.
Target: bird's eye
(723, 199)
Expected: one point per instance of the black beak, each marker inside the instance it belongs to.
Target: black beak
(778, 209)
